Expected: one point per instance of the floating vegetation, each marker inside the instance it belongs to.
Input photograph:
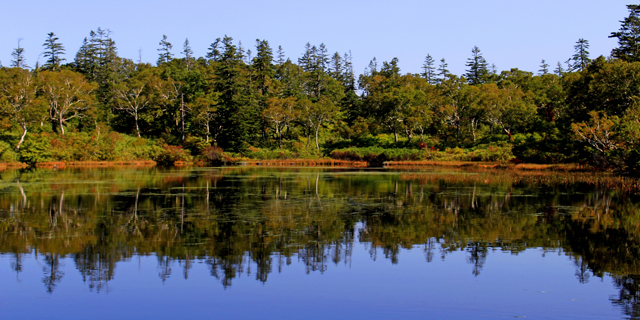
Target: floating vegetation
(517, 176)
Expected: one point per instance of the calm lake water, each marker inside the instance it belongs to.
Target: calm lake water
(313, 243)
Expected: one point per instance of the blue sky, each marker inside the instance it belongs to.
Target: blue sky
(509, 34)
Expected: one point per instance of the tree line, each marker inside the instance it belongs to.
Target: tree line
(584, 110)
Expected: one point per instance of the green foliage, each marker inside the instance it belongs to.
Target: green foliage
(7, 154)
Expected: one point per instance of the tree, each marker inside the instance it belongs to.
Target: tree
(205, 111)
(628, 36)
(165, 55)
(429, 69)
(214, 51)
(53, 52)
(559, 70)
(581, 56)
(18, 99)
(478, 70)
(68, 95)
(318, 114)
(136, 94)
(443, 72)
(544, 68)
(280, 112)
(19, 61)
(188, 54)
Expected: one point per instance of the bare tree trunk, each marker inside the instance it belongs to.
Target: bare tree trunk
(182, 113)
(317, 129)
(137, 127)
(24, 134)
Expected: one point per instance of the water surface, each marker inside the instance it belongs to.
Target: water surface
(313, 243)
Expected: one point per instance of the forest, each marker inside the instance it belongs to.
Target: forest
(239, 103)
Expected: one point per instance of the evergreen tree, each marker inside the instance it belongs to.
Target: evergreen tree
(336, 67)
(544, 68)
(214, 52)
(262, 65)
(188, 53)
(390, 69)
(238, 119)
(581, 56)
(165, 55)
(281, 58)
(628, 36)
(19, 61)
(478, 71)
(559, 70)
(53, 51)
(429, 70)
(443, 72)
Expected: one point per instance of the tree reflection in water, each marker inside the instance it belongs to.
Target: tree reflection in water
(236, 219)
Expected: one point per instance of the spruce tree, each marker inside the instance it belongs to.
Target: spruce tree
(443, 72)
(544, 68)
(281, 58)
(165, 55)
(214, 52)
(628, 36)
(19, 61)
(478, 70)
(559, 70)
(429, 70)
(53, 52)
(581, 56)
(188, 53)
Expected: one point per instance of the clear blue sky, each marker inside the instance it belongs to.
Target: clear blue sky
(509, 33)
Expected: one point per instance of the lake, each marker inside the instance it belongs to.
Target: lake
(317, 243)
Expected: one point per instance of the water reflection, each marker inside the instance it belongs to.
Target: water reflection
(233, 219)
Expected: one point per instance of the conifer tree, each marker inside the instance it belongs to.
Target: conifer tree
(478, 71)
(214, 52)
(188, 53)
(559, 70)
(280, 54)
(581, 56)
(628, 36)
(443, 72)
(53, 51)
(544, 68)
(19, 61)
(165, 55)
(429, 70)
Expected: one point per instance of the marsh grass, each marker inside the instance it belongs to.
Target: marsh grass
(516, 176)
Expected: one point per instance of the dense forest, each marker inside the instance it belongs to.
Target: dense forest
(262, 105)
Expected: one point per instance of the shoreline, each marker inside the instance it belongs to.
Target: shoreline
(313, 163)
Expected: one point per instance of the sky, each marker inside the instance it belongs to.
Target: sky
(510, 34)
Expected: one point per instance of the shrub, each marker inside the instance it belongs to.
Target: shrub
(171, 154)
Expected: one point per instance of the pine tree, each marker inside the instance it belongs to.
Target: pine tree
(19, 61)
(53, 51)
(628, 36)
(581, 56)
(429, 70)
(165, 55)
(544, 68)
(478, 71)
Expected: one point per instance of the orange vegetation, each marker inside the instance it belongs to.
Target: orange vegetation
(306, 162)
